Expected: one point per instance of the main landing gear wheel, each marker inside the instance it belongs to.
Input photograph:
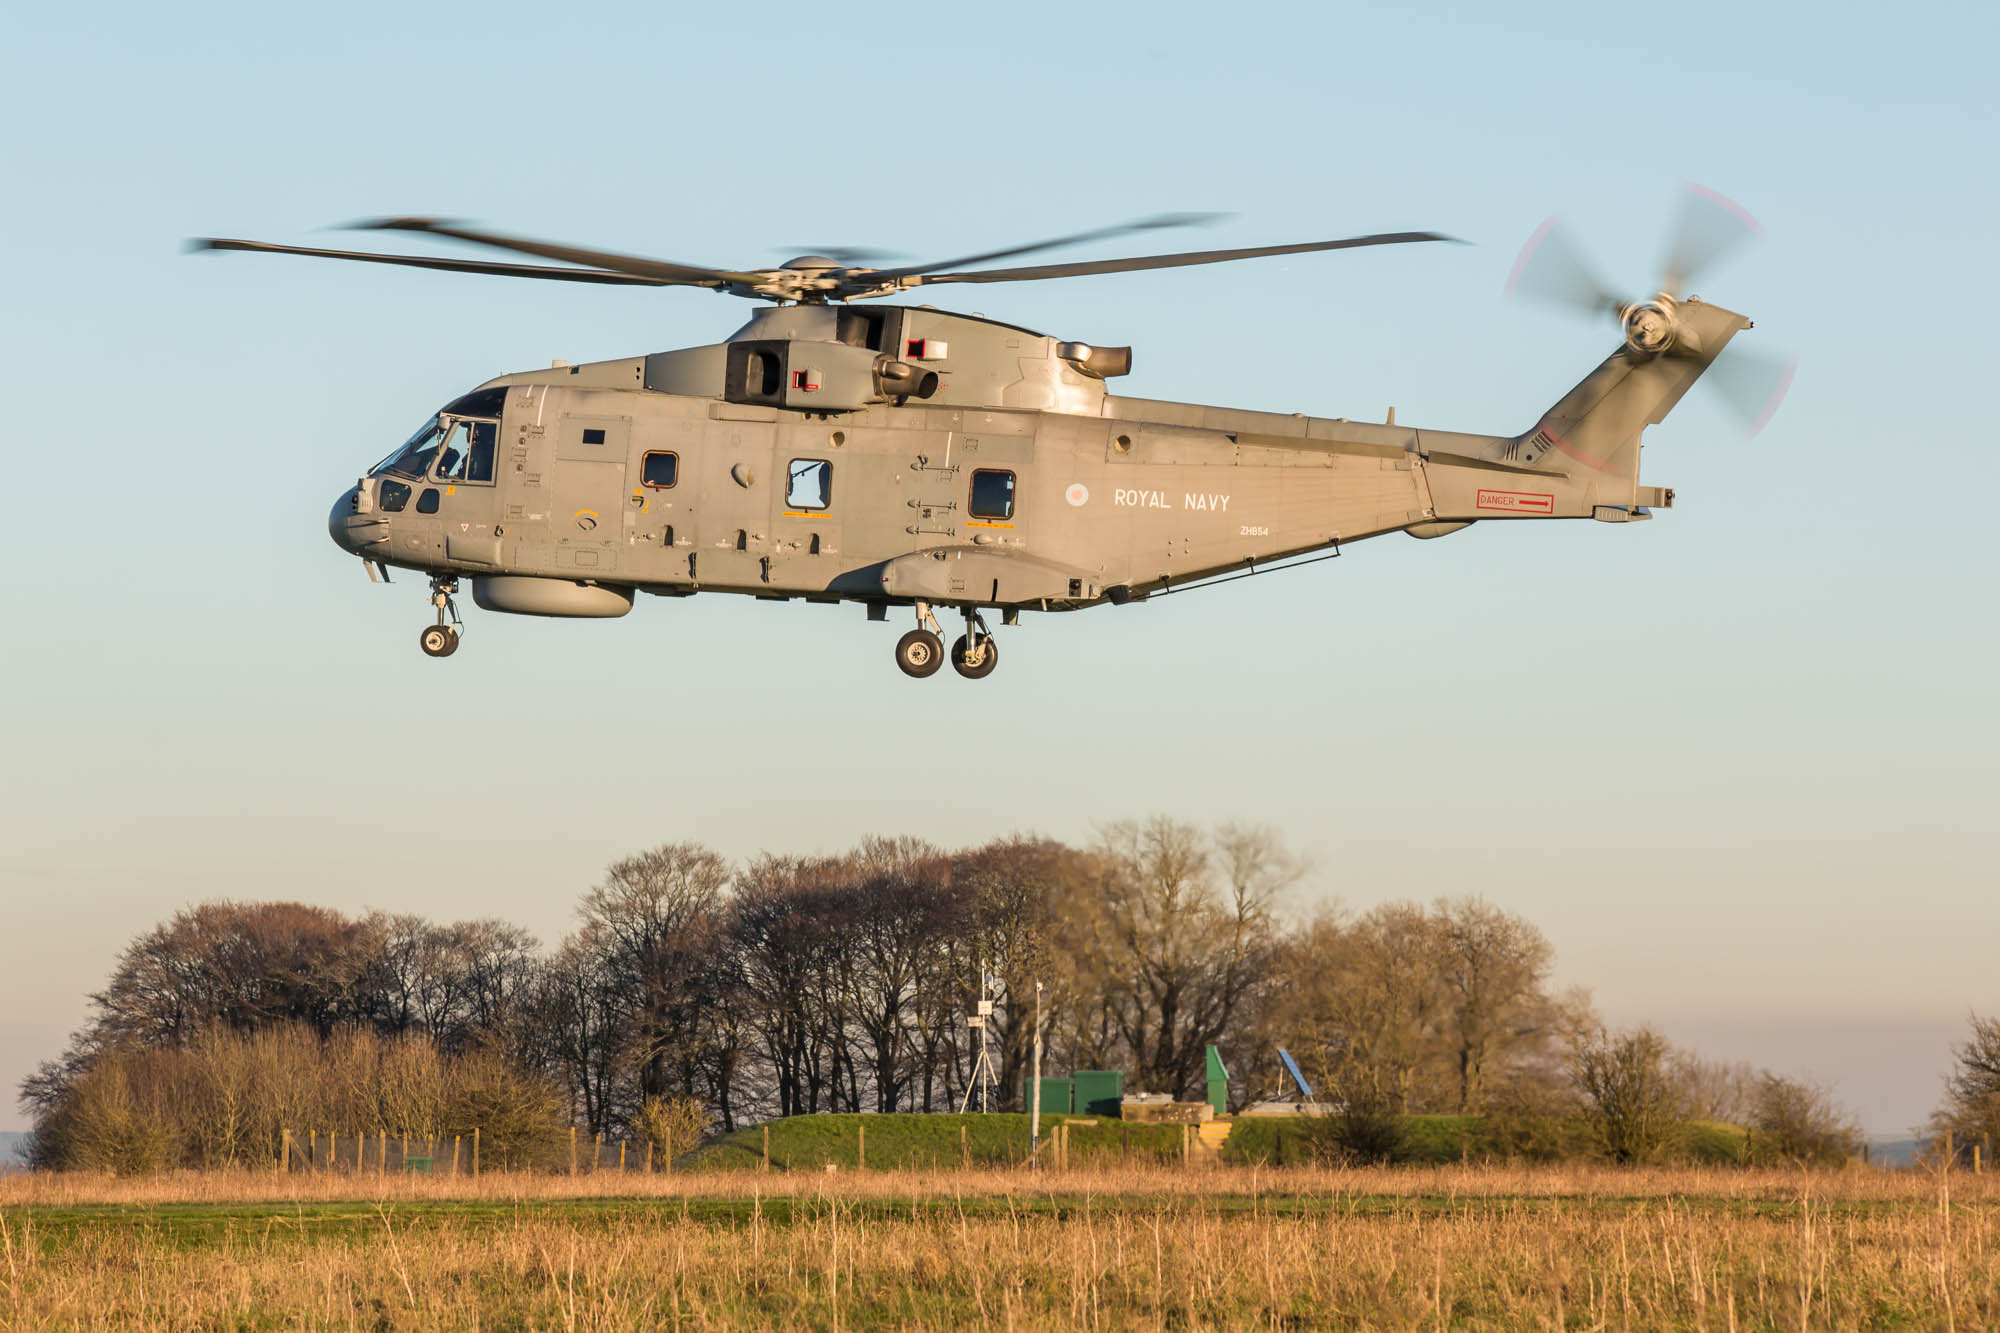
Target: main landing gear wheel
(439, 640)
(975, 661)
(919, 653)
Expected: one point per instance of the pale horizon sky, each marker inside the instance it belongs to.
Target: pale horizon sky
(1737, 763)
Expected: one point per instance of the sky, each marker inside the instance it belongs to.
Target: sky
(1737, 763)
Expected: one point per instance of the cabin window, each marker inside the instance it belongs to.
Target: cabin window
(992, 494)
(427, 503)
(764, 376)
(809, 484)
(392, 496)
(593, 435)
(660, 471)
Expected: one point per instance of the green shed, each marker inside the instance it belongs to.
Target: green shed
(1058, 1096)
(1099, 1091)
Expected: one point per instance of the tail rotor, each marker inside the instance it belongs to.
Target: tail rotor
(1707, 228)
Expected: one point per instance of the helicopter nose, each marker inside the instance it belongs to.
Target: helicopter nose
(352, 531)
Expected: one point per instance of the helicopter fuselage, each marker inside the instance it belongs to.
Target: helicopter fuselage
(801, 459)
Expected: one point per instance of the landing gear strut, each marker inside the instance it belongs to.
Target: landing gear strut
(921, 652)
(975, 654)
(441, 639)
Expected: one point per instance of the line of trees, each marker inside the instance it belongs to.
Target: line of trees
(790, 985)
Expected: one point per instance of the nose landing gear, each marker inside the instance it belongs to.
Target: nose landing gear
(441, 639)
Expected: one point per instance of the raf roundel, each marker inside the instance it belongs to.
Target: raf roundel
(1078, 494)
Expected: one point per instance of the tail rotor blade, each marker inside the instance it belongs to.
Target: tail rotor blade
(1551, 270)
(1752, 387)
(1708, 227)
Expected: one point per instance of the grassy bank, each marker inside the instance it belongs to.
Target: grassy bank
(930, 1142)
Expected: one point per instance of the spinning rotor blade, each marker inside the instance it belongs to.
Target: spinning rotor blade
(1181, 260)
(666, 272)
(1751, 386)
(426, 261)
(1549, 269)
(1159, 222)
(1709, 226)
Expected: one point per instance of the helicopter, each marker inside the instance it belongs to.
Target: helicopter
(903, 456)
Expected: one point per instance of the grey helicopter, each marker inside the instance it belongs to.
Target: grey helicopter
(902, 456)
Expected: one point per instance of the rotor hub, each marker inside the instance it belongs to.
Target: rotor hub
(1650, 326)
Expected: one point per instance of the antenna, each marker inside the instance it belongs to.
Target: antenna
(982, 1068)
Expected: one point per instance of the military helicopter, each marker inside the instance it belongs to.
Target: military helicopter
(905, 456)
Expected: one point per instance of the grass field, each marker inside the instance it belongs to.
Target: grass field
(1138, 1248)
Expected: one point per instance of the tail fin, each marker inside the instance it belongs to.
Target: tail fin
(1597, 424)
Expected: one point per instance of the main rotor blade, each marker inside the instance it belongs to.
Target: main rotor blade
(1156, 223)
(1181, 260)
(687, 275)
(1752, 387)
(1550, 269)
(426, 261)
(1708, 227)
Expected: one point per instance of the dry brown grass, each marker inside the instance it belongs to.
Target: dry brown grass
(1556, 1247)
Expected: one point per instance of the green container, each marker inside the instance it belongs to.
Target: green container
(1098, 1091)
(1218, 1082)
(1058, 1096)
(417, 1166)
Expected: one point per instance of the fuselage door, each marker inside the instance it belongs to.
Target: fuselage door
(586, 514)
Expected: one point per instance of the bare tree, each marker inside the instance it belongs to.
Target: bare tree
(1492, 967)
(1970, 1112)
(656, 924)
(1796, 1121)
(1364, 1004)
(1174, 942)
(1635, 1105)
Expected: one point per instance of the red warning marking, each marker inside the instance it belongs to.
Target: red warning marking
(1516, 502)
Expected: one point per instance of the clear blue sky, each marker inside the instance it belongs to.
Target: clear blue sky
(1737, 762)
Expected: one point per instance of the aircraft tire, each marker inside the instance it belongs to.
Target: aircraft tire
(438, 641)
(919, 653)
(961, 653)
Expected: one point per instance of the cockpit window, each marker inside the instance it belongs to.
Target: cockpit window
(478, 403)
(462, 450)
(413, 460)
(468, 451)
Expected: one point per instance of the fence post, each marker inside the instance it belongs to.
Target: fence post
(382, 1152)
(1124, 1142)
(454, 1156)
(767, 1147)
(964, 1149)
(572, 1150)
(621, 1153)
(285, 1151)
(649, 1156)
(861, 1147)
(596, 1151)
(475, 1152)
(1975, 1159)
